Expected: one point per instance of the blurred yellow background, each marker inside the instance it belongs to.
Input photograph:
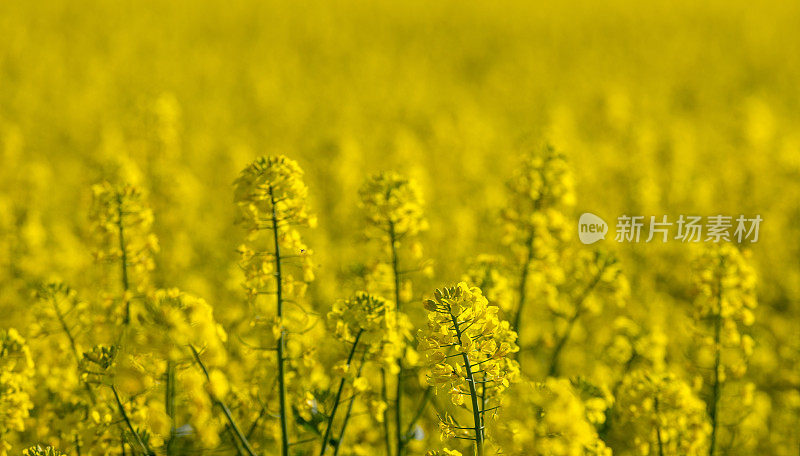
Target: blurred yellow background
(664, 107)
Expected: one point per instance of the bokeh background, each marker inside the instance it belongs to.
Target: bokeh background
(663, 107)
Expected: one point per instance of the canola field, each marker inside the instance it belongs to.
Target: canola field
(399, 228)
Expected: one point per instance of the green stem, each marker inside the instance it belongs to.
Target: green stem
(234, 440)
(338, 396)
(398, 409)
(121, 407)
(483, 400)
(714, 406)
(349, 410)
(476, 411)
(254, 425)
(658, 428)
(523, 284)
(605, 428)
(426, 397)
(225, 410)
(385, 398)
(284, 412)
(123, 260)
(73, 346)
(395, 268)
(562, 341)
(169, 405)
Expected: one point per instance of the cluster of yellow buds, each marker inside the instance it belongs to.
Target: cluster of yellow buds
(174, 320)
(660, 414)
(122, 221)
(393, 208)
(383, 330)
(468, 350)
(540, 190)
(39, 451)
(271, 196)
(393, 204)
(16, 370)
(362, 312)
(460, 318)
(59, 309)
(96, 364)
(272, 187)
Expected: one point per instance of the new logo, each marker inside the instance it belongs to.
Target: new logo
(591, 228)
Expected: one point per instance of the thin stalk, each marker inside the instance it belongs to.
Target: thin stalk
(338, 396)
(609, 413)
(385, 398)
(398, 409)
(348, 411)
(395, 268)
(125, 417)
(225, 410)
(483, 400)
(715, 392)
(73, 346)
(523, 284)
(476, 411)
(123, 260)
(284, 412)
(658, 428)
(254, 425)
(426, 397)
(562, 341)
(169, 404)
(234, 440)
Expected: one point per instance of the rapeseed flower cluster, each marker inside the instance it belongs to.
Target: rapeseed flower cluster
(122, 221)
(39, 451)
(539, 193)
(469, 351)
(271, 198)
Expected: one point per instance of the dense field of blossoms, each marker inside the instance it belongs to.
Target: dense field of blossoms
(313, 228)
